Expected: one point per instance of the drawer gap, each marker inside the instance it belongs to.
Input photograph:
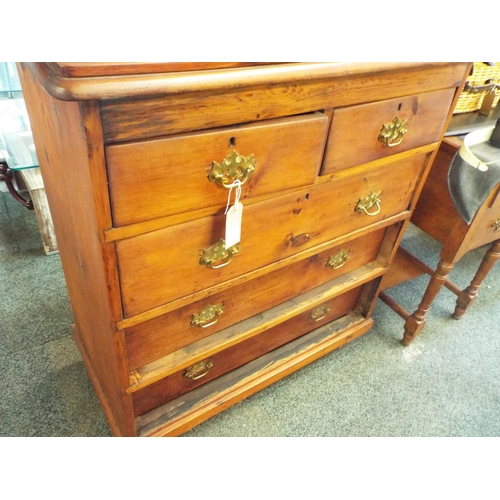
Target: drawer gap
(179, 415)
(178, 360)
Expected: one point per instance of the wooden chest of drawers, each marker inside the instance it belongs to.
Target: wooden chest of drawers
(137, 160)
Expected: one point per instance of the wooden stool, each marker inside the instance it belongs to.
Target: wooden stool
(435, 214)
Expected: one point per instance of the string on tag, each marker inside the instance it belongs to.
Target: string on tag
(237, 184)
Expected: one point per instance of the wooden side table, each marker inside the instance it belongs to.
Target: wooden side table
(436, 214)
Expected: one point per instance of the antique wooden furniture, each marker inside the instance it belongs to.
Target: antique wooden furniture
(173, 326)
(436, 214)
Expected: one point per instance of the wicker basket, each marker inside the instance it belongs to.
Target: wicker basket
(483, 79)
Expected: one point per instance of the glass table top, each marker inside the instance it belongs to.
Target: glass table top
(16, 140)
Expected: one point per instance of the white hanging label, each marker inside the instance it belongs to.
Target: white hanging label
(233, 216)
(233, 225)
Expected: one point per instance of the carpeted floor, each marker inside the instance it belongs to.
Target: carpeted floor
(447, 383)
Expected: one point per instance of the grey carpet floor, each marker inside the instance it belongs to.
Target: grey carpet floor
(446, 383)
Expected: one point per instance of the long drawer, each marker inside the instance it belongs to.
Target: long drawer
(161, 266)
(150, 179)
(155, 338)
(185, 380)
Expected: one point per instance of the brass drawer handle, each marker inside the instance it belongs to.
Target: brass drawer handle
(339, 259)
(496, 225)
(199, 370)
(217, 255)
(320, 312)
(364, 204)
(392, 133)
(233, 167)
(208, 316)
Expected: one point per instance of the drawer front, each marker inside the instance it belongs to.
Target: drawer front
(151, 179)
(179, 383)
(488, 229)
(161, 266)
(355, 131)
(153, 339)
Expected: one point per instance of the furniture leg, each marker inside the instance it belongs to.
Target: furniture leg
(32, 177)
(468, 296)
(416, 322)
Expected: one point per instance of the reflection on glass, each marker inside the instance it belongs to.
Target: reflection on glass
(9, 81)
(16, 139)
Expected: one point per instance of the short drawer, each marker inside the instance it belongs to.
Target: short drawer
(172, 175)
(153, 339)
(158, 267)
(356, 135)
(186, 380)
(488, 229)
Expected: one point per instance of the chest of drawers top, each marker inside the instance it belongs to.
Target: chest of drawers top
(132, 94)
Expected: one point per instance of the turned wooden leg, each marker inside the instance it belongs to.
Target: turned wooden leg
(469, 295)
(416, 322)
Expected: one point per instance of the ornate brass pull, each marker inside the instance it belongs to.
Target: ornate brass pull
(320, 312)
(364, 204)
(208, 316)
(496, 225)
(233, 167)
(217, 255)
(392, 133)
(199, 370)
(339, 259)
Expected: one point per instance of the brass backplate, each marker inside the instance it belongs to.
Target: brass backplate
(199, 370)
(233, 167)
(209, 315)
(368, 202)
(392, 133)
(320, 312)
(339, 259)
(217, 255)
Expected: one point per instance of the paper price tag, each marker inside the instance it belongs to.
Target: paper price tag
(233, 224)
